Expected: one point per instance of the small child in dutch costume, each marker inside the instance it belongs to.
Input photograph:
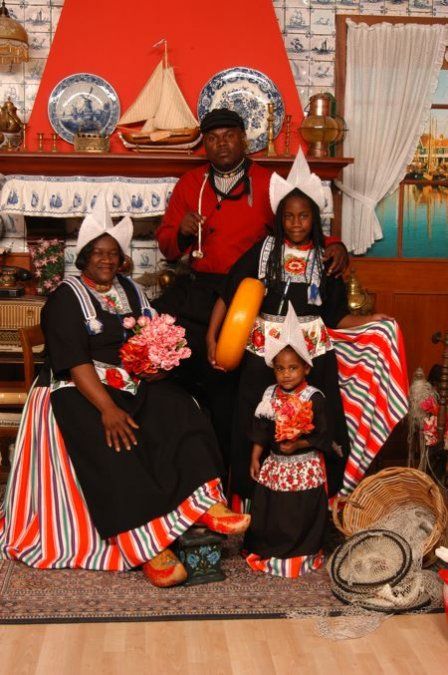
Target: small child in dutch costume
(289, 504)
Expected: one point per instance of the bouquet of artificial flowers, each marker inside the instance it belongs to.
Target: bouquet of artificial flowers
(293, 417)
(48, 262)
(157, 344)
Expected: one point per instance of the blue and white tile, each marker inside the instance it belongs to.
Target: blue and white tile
(347, 6)
(13, 227)
(280, 14)
(301, 72)
(322, 47)
(30, 96)
(371, 6)
(13, 91)
(322, 73)
(34, 69)
(144, 259)
(18, 245)
(12, 73)
(297, 19)
(297, 3)
(298, 45)
(16, 12)
(69, 255)
(39, 45)
(304, 95)
(440, 7)
(38, 19)
(322, 22)
(420, 6)
(323, 3)
(55, 16)
(396, 6)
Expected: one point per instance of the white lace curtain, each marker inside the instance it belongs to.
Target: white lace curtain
(391, 76)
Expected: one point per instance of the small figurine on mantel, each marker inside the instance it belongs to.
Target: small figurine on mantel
(11, 126)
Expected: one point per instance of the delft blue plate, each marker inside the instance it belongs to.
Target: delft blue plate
(83, 103)
(248, 92)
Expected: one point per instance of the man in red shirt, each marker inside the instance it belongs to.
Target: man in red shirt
(226, 201)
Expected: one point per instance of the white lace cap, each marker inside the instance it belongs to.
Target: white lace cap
(300, 177)
(99, 222)
(291, 334)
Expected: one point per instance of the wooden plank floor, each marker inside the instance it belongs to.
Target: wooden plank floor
(401, 645)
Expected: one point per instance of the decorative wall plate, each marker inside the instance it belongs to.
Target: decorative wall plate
(83, 103)
(248, 92)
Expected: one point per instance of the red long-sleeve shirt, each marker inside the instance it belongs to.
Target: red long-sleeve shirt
(231, 227)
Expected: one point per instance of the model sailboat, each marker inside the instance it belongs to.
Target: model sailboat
(165, 114)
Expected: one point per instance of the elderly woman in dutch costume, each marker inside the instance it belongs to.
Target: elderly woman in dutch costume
(108, 472)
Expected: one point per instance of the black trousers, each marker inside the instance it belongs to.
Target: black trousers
(191, 300)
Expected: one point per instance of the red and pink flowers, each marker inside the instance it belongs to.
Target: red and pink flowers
(293, 417)
(158, 344)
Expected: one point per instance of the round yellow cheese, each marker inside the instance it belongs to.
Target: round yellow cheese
(238, 323)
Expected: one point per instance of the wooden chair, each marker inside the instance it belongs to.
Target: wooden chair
(13, 394)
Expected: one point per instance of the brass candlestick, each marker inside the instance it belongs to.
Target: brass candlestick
(54, 143)
(24, 148)
(287, 151)
(40, 142)
(270, 150)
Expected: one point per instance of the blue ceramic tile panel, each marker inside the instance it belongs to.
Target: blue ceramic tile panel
(301, 72)
(39, 44)
(297, 45)
(38, 18)
(322, 73)
(322, 22)
(322, 47)
(297, 19)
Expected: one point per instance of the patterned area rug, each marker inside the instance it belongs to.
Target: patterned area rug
(40, 596)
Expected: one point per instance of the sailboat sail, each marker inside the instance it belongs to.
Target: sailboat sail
(145, 106)
(173, 111)
(162, 109)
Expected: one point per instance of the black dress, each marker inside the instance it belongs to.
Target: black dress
(256, 375)
(176, 451)
(289, 505)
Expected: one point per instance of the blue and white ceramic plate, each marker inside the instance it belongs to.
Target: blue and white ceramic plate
(83, 103)
(248, 92)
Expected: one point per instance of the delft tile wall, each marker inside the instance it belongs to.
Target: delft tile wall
(308, 28)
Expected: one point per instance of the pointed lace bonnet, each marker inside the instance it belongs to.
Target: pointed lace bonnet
(99, 222)
(291, 334)
(300, 177)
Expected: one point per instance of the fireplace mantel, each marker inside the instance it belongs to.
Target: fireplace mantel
(140, 164)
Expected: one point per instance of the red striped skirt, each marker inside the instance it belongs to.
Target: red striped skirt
(44, 520)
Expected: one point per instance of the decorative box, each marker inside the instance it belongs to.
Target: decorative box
(199, 550)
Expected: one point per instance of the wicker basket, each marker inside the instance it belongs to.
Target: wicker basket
(376, 496)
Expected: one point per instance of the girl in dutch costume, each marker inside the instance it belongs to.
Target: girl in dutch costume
(108, 471)
(290, 263)
(289, 504)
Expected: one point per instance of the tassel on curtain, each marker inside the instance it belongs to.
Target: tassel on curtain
(392, 73)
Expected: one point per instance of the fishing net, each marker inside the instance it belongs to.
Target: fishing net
(378, 572)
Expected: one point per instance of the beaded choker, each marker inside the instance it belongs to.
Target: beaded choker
(99, 288)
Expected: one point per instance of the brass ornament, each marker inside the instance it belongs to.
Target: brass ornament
(11, 126)
(359, 301)
(13, 39)
(84, 142)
